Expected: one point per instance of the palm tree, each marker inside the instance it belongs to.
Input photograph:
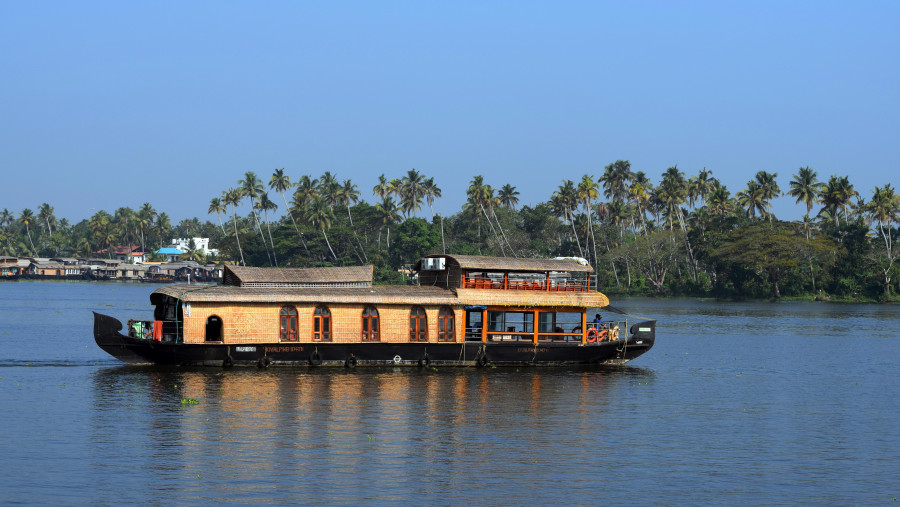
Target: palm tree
(432, 192)
(837, 196)
(885, 209)
(233, 197)
(639, 193)
(26, 218)
(321, 214)
(720, 201)
(481, 196)
(769, 188)
(670, 194)
(565, 199)
(162, 228)
(6, 218)
(703, 184)
(388, 213)
(508, 196)
(123, 217)
(330, 188)
(45, 214)
(265, 204)
(218, 207)
(615, 180)
(411, 191)
(307, 189)
(383, 188)
(588, 191)
(98, 222)
(279, 183)
(805, 187)
(753, 199)
(144, 219)
(349, 194)
(251, 187)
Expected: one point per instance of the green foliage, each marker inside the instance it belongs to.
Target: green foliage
(771, 252)
(689, 235)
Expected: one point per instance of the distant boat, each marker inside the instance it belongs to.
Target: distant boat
(465, 311)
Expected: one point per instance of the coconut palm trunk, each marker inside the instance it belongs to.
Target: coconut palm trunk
(236, 237)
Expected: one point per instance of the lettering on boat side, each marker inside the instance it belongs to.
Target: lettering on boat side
(532, 349)
(644, 329)
(292, 348)
(245, 349)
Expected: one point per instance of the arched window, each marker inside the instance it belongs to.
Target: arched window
(289, 324)
(418, 325)
(446, 331)
(322, 324)
(370, 324)
(214, 329)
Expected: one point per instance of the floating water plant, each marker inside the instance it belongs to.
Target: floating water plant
(189, 401)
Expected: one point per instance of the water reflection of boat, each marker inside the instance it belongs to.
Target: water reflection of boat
(466, 310)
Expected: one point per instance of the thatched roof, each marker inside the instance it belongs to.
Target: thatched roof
(379, 294)
(530, 298)
(243, 276)
(516, 264)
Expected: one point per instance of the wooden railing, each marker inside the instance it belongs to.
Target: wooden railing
(485, 283)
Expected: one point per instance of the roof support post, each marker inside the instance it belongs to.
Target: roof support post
(583, 326)
(484, 326)
(535, 324)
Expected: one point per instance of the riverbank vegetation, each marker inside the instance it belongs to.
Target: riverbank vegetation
(685, 235)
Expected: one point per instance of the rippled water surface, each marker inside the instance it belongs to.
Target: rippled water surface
(738, 403)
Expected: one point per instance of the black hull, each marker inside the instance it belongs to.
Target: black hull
(142, 351)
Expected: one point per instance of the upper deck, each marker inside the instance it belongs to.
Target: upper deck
(493, 273)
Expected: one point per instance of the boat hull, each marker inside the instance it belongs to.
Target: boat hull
(107, 334)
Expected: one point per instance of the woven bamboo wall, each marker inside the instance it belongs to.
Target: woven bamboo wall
(261, 323)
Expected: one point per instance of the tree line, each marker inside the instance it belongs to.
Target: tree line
(685, 235)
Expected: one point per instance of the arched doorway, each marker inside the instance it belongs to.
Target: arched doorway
(214, 329)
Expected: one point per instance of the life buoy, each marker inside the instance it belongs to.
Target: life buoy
(615, 334)
(604, 334)
(592, 335)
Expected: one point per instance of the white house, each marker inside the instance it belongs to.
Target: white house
(200, 244)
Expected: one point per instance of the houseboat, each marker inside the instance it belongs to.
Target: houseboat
(465, 310)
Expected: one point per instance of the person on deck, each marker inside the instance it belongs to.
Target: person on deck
(597, 320)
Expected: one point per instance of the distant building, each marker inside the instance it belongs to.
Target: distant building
(200, 245)
(172, 254)
(121, 253)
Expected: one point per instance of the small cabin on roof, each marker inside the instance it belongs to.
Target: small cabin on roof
(479, 272)
(351, 276)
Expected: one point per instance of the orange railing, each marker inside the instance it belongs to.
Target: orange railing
(485, 283)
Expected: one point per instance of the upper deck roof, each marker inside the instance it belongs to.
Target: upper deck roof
(378, 294)
(472, 262)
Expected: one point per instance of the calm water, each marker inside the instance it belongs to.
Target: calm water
(738, 403)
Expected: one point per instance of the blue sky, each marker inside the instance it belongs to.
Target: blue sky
(109, 104)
